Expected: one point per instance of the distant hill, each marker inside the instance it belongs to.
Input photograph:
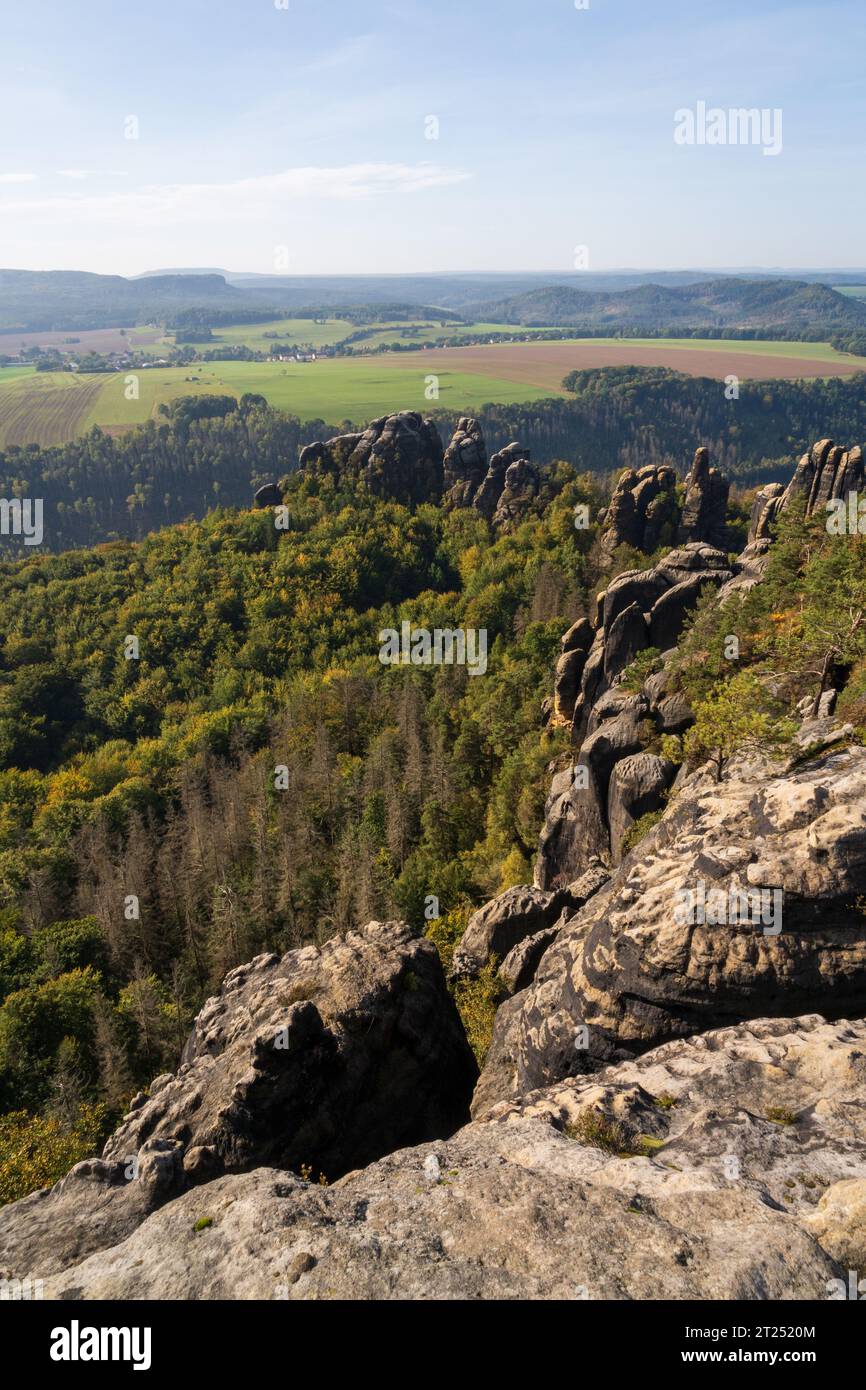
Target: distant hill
(41, 300)
(679, 301)
(729, 303)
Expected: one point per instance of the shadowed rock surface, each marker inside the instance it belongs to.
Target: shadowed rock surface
(640, 610)
(632, 973)
(465, 463)
(705, 504)
(646, 513)
(825, 472)
(397, 456)
(542, 1200)
(516, 914)
(326, 1057)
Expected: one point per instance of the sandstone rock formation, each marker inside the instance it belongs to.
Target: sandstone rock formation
(588, 811)
(397, 456)
(268, 495)
(645, 511)
(730, 1166)
(327, 1057)
(515, 915)
(465, 464)
(508, 487)
(825, 471)
(635, 969)
(706, 503)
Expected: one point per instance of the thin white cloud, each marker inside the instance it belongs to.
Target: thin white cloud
(18, 178)
(159, 203)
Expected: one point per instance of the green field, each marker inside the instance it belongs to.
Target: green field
(334, 389)
(261, 337)
(12, 373)
(54, 407)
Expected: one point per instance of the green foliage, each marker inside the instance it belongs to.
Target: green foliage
(642, 826)
(739, 714)
(645, 664)
(155, 777)
(35, 1022)
(598, 1132)
(477, 1001)
(36, 1151)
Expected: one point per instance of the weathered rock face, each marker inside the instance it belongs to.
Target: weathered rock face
(509, 486)
(636, 788)
(328, 1057)
(503, 922)
(520, 489)
(639, 964)
(397, 456)
(503, 490)
(639, 609)
(728, 1203)
(643, 510)
(500, 925)
(99, 1203)
(521, 964)
(706, 503)
(465, 463)
(575, 645)
(825, 472)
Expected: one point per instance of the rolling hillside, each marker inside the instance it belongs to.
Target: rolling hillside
(769, 305)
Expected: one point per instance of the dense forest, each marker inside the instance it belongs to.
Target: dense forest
(254, 777)
(213, 451)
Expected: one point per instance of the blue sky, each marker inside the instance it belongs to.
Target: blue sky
(294, 138)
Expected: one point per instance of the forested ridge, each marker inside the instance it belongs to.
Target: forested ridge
(157, 777)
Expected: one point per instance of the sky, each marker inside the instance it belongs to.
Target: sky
(353, 136)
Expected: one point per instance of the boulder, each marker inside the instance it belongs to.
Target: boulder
(519, 967)
(502, 923)
(268, 495)
(325, 1058)
(638, 785)
(579, 638)
(668, 1177)
(518, 913)
(566, 685)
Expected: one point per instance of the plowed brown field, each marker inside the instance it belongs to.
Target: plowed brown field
(545, 364)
